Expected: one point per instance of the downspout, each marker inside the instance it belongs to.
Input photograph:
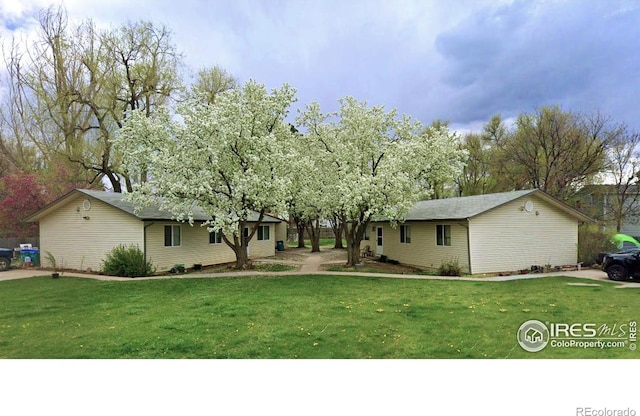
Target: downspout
(469, 244)
(144, 241)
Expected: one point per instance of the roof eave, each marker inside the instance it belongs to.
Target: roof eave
(51, 206)
(564, 207)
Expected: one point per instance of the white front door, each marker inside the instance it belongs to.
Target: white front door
(378, 241)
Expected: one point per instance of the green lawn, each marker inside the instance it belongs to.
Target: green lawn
(257, 266)
(297, 317)
(324, 242)
(377, 267)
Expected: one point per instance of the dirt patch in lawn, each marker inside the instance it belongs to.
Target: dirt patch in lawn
(301, 254)
(291, 254)
(372, 265)
(333, 255)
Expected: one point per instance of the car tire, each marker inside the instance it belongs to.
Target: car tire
(617, 272)
(5, 263)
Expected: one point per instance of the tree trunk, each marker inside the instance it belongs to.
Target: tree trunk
(301, 228)
(338, 231)
(129, 185)
(239, 249)
(115, 182)
(240, 243)
(314, 232)
(353, 253)
(242, 257)
(354, 233)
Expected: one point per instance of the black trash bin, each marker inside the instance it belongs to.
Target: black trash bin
(280, 245)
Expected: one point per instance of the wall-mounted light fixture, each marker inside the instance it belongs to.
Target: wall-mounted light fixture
(86, 217)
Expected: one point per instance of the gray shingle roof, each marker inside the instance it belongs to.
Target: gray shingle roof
(149, 213)
(463, 207)
(153, 212)
(471, 206)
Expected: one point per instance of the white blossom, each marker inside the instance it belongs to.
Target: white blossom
(374, 163)
(228, 158)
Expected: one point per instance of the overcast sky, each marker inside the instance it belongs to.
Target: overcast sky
(461, 61)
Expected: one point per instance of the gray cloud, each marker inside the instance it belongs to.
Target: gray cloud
(580, 55)
(462, 61)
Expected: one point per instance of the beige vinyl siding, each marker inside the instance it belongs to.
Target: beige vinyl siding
(82, 244)
(423, 251)
(280, 232)
(509, 238)
(263, 248)
(371, 232)
(195, 247)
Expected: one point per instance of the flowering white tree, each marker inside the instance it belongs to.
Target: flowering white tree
(374, 163)
(228, 158)
(307, 202)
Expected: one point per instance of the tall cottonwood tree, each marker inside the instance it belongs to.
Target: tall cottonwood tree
(138, 65)
(476, 177)
(374, 163)
(623, 166)
(555, 151)
(40, 111)
(230, 159)
(210, 82)
(75, 85)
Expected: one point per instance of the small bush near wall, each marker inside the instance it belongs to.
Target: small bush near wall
(127, 262)
(450, 268)
(593, 241)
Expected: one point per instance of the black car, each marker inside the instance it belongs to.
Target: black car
(5, 258)
(624, 265)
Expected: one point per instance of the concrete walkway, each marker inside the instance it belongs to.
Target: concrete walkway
(311, 265)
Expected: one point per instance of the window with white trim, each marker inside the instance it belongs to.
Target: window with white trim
(443, 235)
(215, 237)
(367, 233)
(405, 234)
(172, 236)
(263, 232)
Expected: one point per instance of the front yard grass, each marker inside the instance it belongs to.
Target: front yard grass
(373, 266)
(298, 317)
(324, 243)
(274, 267)
(257, 266)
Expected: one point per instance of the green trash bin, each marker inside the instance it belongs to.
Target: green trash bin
(280, 245)
(30, 254)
